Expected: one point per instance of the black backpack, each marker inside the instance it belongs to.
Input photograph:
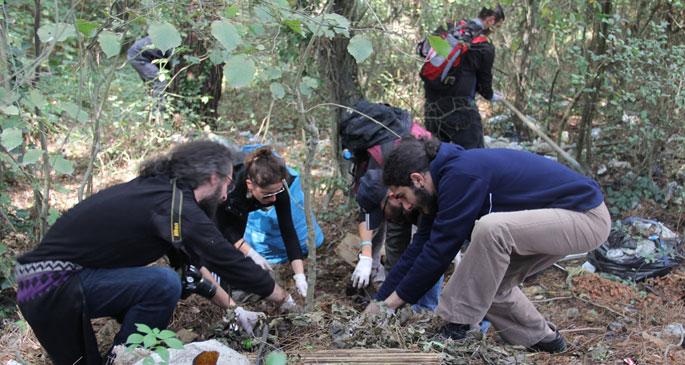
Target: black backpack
(358, 133)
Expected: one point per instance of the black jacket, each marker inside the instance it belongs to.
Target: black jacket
(129, 225)
(231, 217)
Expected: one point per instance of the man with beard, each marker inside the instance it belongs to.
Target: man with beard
(93, 261)
(522, 213)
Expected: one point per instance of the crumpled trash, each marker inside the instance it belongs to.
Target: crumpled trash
(637, 249)
(227, 356)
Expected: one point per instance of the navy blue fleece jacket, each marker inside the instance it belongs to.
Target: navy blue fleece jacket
(471, 184)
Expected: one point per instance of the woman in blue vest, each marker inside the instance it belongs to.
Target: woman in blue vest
(261, 182)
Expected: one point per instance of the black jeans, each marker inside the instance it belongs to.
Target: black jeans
(455, 120)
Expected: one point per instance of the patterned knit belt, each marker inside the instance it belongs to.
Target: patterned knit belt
(36, 278)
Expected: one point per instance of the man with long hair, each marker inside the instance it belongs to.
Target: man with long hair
(522, 212)
(93, 262)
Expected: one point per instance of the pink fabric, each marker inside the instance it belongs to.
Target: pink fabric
(416, 130)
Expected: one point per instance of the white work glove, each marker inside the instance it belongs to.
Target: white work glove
(258, 259)
(289, 305)
(361, 274)
(301, 284)
(497, 96)
(247, 319)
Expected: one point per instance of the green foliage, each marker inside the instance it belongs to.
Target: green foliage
(240, 71)
(155, 340)
(629, 190)
(360, 48)
(164, 36)
(276, 358)
(226, 34)
(440, 45)
(110, 43)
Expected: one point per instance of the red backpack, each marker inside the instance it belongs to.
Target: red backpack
(460, 36)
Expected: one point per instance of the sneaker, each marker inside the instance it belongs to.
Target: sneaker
(558, 344)
(454, 331)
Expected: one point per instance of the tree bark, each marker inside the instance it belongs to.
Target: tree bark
(340, 68)
(601, 30)
(523, 72)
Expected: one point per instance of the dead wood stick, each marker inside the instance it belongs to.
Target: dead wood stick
(542, 135)
(551, 299)
(584, 329)
(599, 306)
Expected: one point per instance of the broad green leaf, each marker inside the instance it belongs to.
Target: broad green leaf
(164, 334)
(173, 343)
(192, 59)
(110, 43)
(239, 71)
(134, 339)
(294, 25)
(163, 353)
(143, 328)
(226, 34)
(216, 56)
(31, 156)
(11, 138)
(62, 165)
(10, 110)
(148, 361)
(55, 32)
(231, 11)
(3, 248)
(264, 14)
(276, 358)
(164, 36)
(277, 90)
(75, 112)
(53, 215)
(273, 73)
(149, 340)
(155, 331)
(37, 99)
(307, 85)
(441, 46)
(86, 27)
(360, 48)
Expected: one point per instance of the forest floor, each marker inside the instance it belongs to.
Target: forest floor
(604, 321)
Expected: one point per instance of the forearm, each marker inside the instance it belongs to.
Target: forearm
(366, 235)
(278, 295)
(394, 301)
(298, 266)
(221, 298)
(242, 246)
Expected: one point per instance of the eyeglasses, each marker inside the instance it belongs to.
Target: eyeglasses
(269, 195)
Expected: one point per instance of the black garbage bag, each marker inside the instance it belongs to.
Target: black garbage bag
(637, 249)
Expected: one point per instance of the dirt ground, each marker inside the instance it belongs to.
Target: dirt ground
(604, 321)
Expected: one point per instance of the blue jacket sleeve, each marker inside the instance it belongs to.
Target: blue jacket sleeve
(407, 259)
(460, 199)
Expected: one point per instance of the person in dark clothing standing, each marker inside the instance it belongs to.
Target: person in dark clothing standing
(450, 109)
(522, 213)
(261, 182)
(93, 261)
(145, 59)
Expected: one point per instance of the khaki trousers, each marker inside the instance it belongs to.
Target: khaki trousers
(506, 248)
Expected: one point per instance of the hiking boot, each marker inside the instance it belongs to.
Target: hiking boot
(454, 331)
(558, 344)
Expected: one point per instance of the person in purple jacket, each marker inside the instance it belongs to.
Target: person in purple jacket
(522, 212)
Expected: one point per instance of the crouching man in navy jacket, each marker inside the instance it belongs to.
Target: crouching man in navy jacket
(522, 212)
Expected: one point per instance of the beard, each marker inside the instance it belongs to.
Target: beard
(211, 203)
(425, 201)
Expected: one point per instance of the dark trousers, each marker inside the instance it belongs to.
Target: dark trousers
(146, 295)
(455, 120)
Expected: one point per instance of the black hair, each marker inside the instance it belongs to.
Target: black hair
(409, 156)
(498, 13)
(264, 168)
(191, 163)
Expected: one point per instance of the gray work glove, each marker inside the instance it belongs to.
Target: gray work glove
(247, 319)
(258, 259)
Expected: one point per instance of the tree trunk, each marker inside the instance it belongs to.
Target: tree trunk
(200, 80)
(340, 68)
(596, 70)
(523, 72)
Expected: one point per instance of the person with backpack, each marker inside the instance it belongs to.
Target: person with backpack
(451, 82)
(146, 60)
(95, 260)
(261, 182)
(522, 212)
